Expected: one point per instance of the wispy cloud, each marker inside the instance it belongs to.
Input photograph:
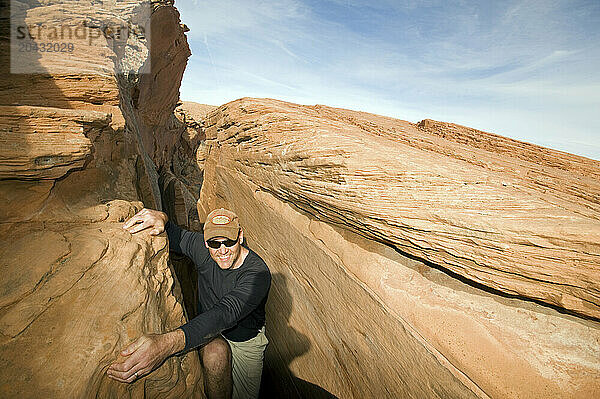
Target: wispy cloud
(518, 68)
(283, 47)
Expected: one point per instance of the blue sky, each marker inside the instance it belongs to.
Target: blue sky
(523, 69)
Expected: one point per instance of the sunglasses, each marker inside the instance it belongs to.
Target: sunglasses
(214, 244)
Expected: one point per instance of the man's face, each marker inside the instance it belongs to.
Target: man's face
(226, 257)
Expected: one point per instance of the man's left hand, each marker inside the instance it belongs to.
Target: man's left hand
(145, 354)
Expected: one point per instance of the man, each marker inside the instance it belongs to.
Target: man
(233, 284)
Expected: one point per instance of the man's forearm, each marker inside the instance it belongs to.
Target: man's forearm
(173, 342)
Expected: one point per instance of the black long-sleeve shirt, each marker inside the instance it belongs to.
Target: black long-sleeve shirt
(231, 302)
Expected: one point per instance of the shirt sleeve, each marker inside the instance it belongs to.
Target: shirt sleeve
(250, 290)
(189, 243)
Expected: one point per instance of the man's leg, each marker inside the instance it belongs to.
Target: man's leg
(216, 363)
(247, 361)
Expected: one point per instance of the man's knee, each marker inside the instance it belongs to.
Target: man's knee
(216, 356)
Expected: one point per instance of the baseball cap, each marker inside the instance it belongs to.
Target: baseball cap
(221, 223)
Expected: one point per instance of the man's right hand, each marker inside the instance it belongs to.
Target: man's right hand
(147, 218)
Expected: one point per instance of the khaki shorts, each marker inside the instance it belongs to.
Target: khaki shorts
(247, 358)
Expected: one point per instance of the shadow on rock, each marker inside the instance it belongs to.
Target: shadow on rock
(285, 345)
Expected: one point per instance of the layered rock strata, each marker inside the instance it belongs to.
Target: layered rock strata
(399, 184)
(409, 264)
(44, 142)
(76, 160)
(73, 295)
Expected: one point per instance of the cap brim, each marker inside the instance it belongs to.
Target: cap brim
(226, 232)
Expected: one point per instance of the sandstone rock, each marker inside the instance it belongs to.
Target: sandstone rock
(76, 288)
(497, 229)
(193, 114)
(60, 91)
(404, 261)
(181, 178)
(404, 256)
(179, 202)
(21, 200)
(43, 142)
(72, 298)
(159, 90)
(546, 169)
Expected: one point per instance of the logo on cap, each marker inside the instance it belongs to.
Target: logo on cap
(221, 219)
